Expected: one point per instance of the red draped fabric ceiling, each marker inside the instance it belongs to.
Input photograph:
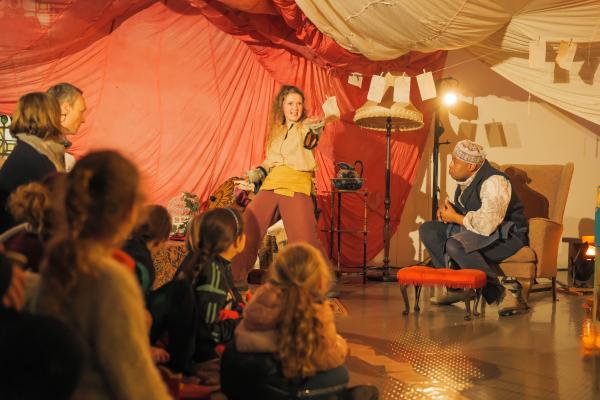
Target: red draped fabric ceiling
(184, 90)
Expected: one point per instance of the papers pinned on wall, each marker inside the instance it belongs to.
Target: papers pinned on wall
(566, 54)
(426, 86)
(402, 89)
(377, 88)
(355, 79)
(537, 53)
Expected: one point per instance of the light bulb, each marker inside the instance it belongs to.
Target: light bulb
(450, 98)
(590, 252)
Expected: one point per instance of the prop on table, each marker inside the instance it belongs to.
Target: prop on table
(348, 177)
(182, 209)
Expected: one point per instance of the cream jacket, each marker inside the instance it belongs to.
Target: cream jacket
(287, 148)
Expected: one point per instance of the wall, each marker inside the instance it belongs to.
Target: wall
(535, 132)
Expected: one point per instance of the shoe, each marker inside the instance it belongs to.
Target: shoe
(448, 298)
(513, 302)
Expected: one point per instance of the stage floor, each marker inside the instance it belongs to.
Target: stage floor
(437, 355)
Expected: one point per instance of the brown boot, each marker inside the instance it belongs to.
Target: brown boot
(513, 302)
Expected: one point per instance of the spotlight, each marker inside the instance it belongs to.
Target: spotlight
(450, 98)
(590, 252)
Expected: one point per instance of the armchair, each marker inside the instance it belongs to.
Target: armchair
(543, 190)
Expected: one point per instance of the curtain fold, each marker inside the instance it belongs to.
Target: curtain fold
(498, 32)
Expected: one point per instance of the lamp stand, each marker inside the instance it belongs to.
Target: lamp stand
(438, 130)
(386, 276)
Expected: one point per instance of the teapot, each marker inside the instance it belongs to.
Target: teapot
(348, 177)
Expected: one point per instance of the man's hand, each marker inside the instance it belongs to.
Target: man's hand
(448, 214)
(15, 295)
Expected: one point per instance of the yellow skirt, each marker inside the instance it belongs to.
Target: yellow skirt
(287, 181)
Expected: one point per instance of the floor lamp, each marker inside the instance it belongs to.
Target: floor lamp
(388, 116)
(448, 99)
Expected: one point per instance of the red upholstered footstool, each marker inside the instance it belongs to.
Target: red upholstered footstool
(471, 279)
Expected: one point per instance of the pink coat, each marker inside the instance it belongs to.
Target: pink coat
(257, 333)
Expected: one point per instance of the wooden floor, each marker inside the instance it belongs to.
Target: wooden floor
(437, 355)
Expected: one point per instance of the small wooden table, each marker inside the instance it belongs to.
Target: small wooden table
(336, 228)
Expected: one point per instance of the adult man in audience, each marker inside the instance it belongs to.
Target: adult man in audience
(72, 112)
(484, 224)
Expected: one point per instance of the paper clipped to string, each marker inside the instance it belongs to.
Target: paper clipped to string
(537, 53)
(426, 86)
(402, 89)
(377, 88)
(355, 79)
(566, 54)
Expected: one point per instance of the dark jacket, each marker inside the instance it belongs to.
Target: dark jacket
(144, 266)
(214, 292)
(22, 166)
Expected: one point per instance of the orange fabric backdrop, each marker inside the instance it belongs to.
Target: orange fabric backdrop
(185, 92)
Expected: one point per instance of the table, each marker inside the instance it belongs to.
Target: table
(336, 228)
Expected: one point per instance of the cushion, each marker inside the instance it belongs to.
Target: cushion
(524, 255)
(454, 278)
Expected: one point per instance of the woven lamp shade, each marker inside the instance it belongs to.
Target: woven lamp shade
(404, 116)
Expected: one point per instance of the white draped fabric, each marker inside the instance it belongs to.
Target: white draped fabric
(497, 32)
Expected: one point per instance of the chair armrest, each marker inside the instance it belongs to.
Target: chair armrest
(544, 239)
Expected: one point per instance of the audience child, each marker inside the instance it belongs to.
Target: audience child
(30, 207)
(219, 237)
(290, 318)
(92, 292)
(172, 305)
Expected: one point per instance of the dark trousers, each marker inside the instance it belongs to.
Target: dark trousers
(434, 235)
(173, 314)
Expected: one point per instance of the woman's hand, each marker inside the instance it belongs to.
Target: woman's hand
(312, 120)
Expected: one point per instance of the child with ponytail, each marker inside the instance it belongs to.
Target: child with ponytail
(86, 285)
(290, 318)
(214, 239)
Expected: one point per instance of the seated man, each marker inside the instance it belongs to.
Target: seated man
(485, 224)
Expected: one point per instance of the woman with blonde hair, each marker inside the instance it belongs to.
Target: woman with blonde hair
(286, 178)
(290, 318)
(38, 152)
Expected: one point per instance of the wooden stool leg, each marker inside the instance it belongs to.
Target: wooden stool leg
(405, 298)
(417, 295)
(477, 300)
(468, 295)
(482, 306)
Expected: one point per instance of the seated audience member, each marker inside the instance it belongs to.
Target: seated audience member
(172, 305)
(38, 152)
(30, 207)
(219, 237)
(149, 235)
(256, 278)
(40, 357)
(287, 339)
(72, 113)
(87, 288)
